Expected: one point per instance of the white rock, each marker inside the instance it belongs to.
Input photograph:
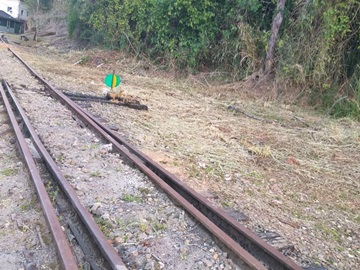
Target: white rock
(95, 207)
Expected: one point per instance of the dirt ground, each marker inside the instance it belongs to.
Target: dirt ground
(290, 169)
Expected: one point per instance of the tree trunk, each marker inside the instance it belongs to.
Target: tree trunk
(36, 20)
(275, 27)
(35, 34)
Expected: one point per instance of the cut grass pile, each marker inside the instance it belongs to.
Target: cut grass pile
(297, 173)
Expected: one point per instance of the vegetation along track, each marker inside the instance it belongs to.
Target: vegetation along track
(248, 249)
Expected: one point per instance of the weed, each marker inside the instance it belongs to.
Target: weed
(194, 172)
(104, 225)
(226, 204)
(158, 226)
(95, 174)
(59, 158)
(120, 222)
(214, 170)
(28, 206)
(261, 151)
(144, 190)
(158, 266)
(53, 194)
(25, 207)
(175, 163)
(53, 191)
(11, 155)
(254, 174)
(249, 191)
(330, 232)
(296, 213)
(131, 198)
(84, 59)
(53, 265)
(93, 146)
(9, 172)
(47, 240)
(46, 237)
(357, 219)
(143, 227)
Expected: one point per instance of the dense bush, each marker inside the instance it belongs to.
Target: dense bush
(185, 33)
(38, 5)
(318, 48)
(319, 51)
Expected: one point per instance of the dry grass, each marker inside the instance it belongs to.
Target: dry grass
(302, 169)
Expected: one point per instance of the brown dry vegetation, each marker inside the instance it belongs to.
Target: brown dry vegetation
(297, 174)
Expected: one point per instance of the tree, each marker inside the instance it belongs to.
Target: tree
(36, 8)
(276, 24)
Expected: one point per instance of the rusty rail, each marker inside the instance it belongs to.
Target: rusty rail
(66, 257)
(243, 236)
(108, 251)
(241, 241)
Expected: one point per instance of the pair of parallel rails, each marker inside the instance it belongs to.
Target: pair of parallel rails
(248, 250)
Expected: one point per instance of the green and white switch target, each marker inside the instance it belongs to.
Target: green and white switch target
(112, 80)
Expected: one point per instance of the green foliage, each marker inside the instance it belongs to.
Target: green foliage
(318, 47)
(9, 172)
(84, 59)
(73, 18)
(158, 226)
(39, 5)
(320, 51)
(182, 34)
(105, 225)
(131, 198)
(348, 104)
(78, 14)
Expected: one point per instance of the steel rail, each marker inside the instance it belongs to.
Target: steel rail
(242, 242)
(249, 261)
(4, 39)
(246, 238)
(66, 257)
(108, 251)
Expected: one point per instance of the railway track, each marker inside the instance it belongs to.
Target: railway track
(88, 225)
(246, 248)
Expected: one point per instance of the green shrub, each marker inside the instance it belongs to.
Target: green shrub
(318, 47)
